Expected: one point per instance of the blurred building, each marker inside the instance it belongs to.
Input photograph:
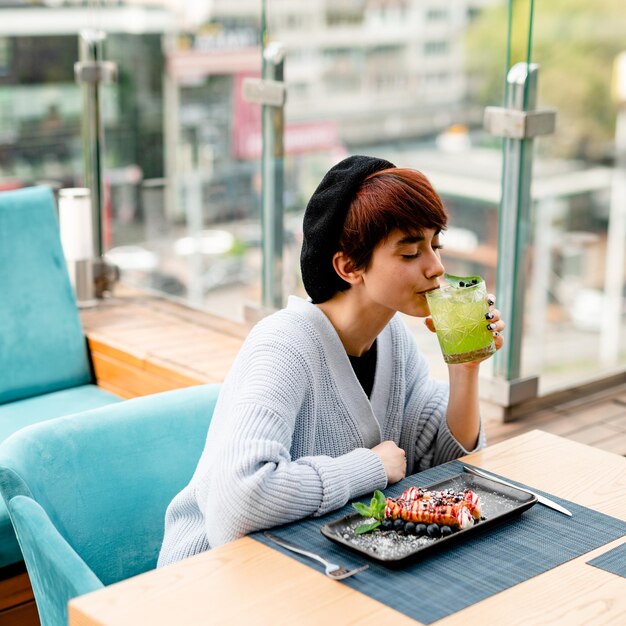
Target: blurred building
(381, 69)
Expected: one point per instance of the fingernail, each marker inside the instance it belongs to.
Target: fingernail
(489, 316)
(491, 301)
(496, 334)
(491, 326)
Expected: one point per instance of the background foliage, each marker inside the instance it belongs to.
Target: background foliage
(575, 43)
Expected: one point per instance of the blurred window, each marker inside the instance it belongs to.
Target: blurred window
(436, 48)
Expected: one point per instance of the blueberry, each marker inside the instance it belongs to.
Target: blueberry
(445, 531)
(461, 283)
(409, 528)
(387, 524)
(398, 524)
(433, 531)
(474, 281)
(420, 529)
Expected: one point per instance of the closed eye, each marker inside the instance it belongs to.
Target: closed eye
(418, 253)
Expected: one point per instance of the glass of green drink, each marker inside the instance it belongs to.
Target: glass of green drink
(458, 310)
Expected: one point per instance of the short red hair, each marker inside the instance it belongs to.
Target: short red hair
(387, 200)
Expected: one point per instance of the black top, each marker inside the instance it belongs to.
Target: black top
(365, 367)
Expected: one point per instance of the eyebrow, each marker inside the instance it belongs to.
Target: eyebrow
(407, 239)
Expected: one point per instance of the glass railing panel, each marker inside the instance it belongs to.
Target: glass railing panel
(576, 308)
(180, 151)
(511, 123)
(193, 232)
(407, 81)
(40, 108)
(404, 81)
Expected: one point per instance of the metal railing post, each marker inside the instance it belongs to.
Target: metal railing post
(616, 232)
(514, 225)
(90, 72)
(518, 122)
(272, 169)
(270, 92)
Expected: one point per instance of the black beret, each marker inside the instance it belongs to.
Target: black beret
(323, 223)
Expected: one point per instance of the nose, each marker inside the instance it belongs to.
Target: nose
(435, 268)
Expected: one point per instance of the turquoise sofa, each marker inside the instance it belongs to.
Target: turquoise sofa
(44, 363)
(87, 493)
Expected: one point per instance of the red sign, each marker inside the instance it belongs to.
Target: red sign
(300, 137)
(185, 65)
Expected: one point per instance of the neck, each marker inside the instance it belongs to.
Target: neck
(356, 325)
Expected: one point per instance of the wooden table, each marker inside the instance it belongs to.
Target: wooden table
(250, 584)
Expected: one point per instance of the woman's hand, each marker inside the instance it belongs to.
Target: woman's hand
(463, 414)
(393, 459)
(493, 322)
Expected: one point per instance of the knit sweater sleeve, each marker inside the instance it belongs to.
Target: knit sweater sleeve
(252, 481)
(426, 428)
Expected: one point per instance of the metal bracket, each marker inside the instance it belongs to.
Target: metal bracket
(516, 124)
(95, 72)
(506, 393)
(263, 91)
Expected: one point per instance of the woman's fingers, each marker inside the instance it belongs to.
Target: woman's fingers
(428, 322)
(493, 317)
(498, 340)
(494, 323)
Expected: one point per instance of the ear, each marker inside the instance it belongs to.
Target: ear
(344, 267)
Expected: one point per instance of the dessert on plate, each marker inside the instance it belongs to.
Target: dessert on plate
(455, 509)
(418, 511)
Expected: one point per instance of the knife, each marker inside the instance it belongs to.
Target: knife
(541, 499)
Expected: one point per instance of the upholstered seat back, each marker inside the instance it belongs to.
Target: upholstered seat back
(42, 347)
(105, 477)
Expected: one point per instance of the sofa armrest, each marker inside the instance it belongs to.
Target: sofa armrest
(56, 572)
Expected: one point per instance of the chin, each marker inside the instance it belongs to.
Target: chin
(416, 310)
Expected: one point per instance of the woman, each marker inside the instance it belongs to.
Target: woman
(329, 399)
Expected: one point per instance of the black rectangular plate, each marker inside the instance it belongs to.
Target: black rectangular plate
(499, 503)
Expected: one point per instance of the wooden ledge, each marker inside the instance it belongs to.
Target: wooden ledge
(141, 344)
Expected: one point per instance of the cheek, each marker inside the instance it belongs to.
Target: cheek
(403, 273)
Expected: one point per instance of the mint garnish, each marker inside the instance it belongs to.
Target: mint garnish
(376, 509)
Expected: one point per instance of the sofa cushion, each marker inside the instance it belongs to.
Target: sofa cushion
(16, 415)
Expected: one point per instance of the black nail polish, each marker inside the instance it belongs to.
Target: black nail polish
(490, 326)
(496, 334)
(489, 316)
(491, 302)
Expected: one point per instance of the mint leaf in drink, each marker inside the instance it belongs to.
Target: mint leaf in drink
(366, 528)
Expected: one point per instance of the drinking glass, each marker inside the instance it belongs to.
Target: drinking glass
(458, 309)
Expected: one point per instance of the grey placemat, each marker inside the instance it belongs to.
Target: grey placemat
(447, 581)
(613, 561)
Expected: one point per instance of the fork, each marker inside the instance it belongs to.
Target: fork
(332, 570)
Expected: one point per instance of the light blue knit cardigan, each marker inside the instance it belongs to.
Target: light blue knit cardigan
(292, 430)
